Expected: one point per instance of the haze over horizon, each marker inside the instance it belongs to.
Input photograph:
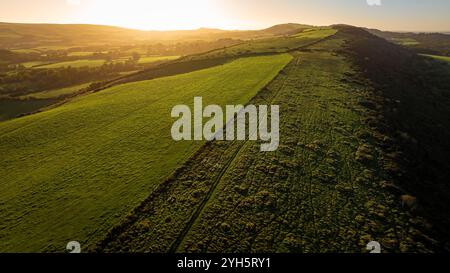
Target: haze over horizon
(394, 15)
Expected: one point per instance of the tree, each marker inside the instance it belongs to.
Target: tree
(136, 57)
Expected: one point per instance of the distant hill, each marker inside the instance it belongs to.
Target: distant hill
(428, 43)
(14, 35)
(286, 28)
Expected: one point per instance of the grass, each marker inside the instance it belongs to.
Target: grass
(51, 48)
(25, 50)
(271, 45)
(33, 64)
(405, 41)
(80, 54)
(86, 164)
(437, 57)
(316, 33)
(53, 94)
(322, 191)
(152, 59)
(126, 73)
(78, 63)
(96, 63)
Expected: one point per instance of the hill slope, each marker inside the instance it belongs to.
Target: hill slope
(72, 172)
(336, 183)
(29, 35)
(412, 101)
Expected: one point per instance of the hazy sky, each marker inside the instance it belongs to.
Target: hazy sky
(406, 15)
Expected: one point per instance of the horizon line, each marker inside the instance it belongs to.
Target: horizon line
(223, 29)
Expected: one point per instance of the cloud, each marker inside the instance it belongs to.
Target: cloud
(373, 3)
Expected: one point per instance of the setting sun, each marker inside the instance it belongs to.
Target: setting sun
(160, 15)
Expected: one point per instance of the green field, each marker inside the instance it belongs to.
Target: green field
(25, 50)
(80, 53)
(96, 63)
(405, 41)
(84, 165)
(316, 33)
(363, 156)
(51, 94)
(437, 57)
(152, 59)
(322, 191)
(126, 73)
(33, 64)
(51, 48)
(78, 63)
(271, 45)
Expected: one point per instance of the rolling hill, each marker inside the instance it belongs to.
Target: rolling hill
(363, 153)
(14, 35)
(427, 43)
(84, 165)
(339, 179)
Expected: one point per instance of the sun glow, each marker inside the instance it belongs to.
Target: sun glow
(154, 14)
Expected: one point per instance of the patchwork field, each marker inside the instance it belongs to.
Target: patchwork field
(87, 152)
(437, 57)
(322, 191)
(57, 93)
(152, 59)
(271, 45)
(84, 165)
(78, 63)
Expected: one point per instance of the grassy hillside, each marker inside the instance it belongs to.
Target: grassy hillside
(271, 45)
(437, 57)
(427, 43)
(77, 63)
(412, 109)
(152, 59)
(83, 166)
(30, 36)
(53, 94)
(364, 152)
(324, 190)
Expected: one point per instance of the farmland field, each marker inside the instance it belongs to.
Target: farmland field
(440, 58)
(322, 191)
(279, 44)
(80, 53)
(58, 92)
(87, 152)
(152, 59)
(33, 64)
(25, 50)
(78, 63)
(84, 165)
(405, 41)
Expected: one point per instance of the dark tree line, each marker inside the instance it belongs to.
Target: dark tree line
(27, 81)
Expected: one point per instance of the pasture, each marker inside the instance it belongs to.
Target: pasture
(152, 59)
(77, 63)
(437, 57)
(321, 191)
(53, 94)
(72, 172)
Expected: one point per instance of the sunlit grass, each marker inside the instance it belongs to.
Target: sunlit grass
(84, 165)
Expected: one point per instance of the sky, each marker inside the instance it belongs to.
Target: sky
(396, 15)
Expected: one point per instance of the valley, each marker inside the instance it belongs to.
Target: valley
(87, 152)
